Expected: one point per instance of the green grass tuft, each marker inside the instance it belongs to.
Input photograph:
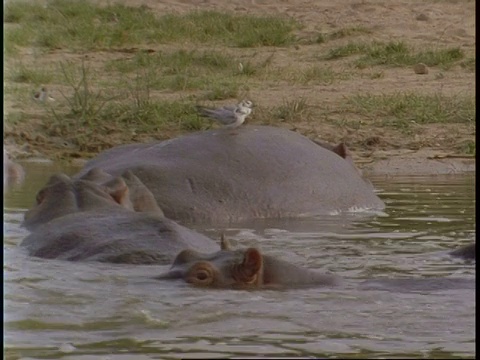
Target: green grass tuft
(402, 109)
(183, 70)
(344, 51)
(468, 147)
(158, 115)
(291, 110)
(398, 54)
(349, 31)
(316, 74)
(469, 64)
(78, 24)
(176, 62)
(91, 115)
(222, 90)
(24, 74)
(395, 54)
(320, 39)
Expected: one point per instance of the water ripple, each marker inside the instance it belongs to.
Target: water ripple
(58, 309)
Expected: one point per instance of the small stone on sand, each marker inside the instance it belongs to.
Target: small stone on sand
(420, 68)
(422, 17)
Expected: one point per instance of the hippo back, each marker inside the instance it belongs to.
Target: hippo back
(257, 172)
(114, 235)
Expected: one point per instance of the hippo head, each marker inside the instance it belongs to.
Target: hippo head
(342, 150)
(97, 176)
(62, 196)
(95, 190)
(141, 199)
(223, 269)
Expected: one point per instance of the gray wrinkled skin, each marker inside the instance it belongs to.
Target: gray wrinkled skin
(115, 235)
(258, 172)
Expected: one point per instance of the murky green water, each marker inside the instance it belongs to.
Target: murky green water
(67, 310)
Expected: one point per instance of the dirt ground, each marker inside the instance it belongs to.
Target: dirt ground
(431, 149)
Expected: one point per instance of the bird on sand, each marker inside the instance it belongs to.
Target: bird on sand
(42, 95)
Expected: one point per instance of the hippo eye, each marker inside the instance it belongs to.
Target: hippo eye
(202, 275)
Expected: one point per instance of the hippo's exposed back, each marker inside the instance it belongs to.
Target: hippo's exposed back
(115, 235)
(258, 172)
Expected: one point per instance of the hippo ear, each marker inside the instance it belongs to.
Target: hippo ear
(96, 175)
(131, 181)
(141, 197)
(56, 181)
(252, 263)
(58, 178)
(341, 149)
(118, 190)
(120, 195)
(115, 184)
(128, 174)
(225, 243)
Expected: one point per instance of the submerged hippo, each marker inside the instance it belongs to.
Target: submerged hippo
(260, 172)
(108, 221)
(95, 190)
(241, 268)
(466, 252)
(115, 236)
(250, 269)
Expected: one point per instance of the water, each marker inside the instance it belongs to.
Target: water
(67, 310)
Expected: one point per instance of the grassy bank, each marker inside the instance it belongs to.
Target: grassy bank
(120, 74)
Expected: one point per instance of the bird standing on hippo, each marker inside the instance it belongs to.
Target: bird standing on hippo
(229, 116)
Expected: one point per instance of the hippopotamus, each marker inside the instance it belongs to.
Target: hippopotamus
(96, 189)
(116, 220)
(259, 172)
(341, 150)
(115, 235)
(13, 173)
(466, 252)
(241, 268)
(251, 269)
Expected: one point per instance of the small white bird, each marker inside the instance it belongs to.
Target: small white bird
(230, 116)
(42, 95)
(247, 105)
